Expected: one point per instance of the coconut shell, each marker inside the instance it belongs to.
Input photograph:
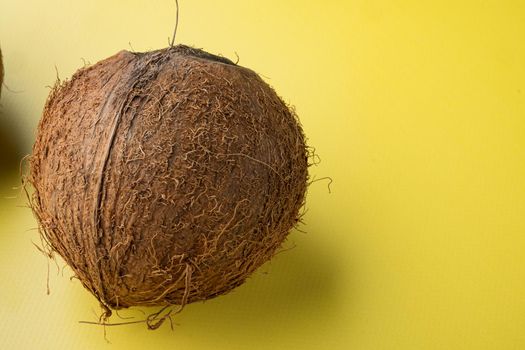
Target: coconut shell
(166, 177)
(1, 72)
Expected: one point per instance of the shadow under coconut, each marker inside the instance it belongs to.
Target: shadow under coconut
(10, 144)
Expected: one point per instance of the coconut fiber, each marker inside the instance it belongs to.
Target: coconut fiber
(166, 177)
(1, 72)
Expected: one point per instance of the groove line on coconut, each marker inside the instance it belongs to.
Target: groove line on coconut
(134, 78)
(98, 197)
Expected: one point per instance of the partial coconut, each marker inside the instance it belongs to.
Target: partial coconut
(166, 177)
(1, 72)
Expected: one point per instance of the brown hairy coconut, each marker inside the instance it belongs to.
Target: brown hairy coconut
(166, 177)
(1, 72)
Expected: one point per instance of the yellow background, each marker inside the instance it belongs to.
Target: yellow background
(417, 109)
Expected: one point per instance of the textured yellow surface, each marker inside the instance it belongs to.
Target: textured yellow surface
(417, 109)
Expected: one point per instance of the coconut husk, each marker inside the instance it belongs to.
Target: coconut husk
(166, 177)
(1, 72)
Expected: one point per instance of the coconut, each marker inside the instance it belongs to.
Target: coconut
(166, 177)
(1, 73)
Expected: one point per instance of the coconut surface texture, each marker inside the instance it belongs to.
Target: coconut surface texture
(1, 72)
(166, 177)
